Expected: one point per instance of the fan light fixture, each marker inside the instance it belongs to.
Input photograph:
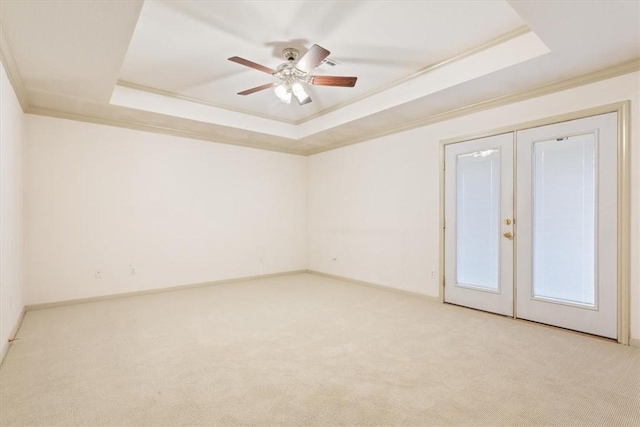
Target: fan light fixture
(302, 96)
(284, 93)
(285, 90)
(294, 74)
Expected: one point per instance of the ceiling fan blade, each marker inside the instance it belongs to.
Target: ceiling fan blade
(312, 58)
(333, 81)
(250, 64)
(257, 89)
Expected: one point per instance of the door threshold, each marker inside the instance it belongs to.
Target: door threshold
(517, 319)
(586, 334)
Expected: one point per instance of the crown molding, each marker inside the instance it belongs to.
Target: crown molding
(12, 71)
(153, 128)
(170, 94)
(604, 74)
(607, 73)
(546, 89)
(491, 43)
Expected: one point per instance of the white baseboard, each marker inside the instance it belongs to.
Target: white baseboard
(43, 306)
(374, 285)
(13, 334)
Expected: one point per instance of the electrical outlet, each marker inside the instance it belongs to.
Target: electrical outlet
(335, 258)
(98, 273)
(433, 274)
(132, 270)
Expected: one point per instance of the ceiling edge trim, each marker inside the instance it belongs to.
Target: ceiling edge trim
(604, 74)
(12, 71)
(491, 43)
(546, 89)
(170, 94)
(154, 129)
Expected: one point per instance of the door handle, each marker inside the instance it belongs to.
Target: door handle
(508, 234)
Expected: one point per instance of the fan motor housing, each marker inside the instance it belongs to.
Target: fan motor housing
(290, 54)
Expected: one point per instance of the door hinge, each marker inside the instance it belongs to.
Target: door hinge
(444, 281)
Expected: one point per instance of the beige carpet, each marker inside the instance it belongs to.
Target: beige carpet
(306, 350)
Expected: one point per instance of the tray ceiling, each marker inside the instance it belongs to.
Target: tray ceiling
(182, 47)
(162, 65)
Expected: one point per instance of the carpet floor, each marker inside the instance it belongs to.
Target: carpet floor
(305, 350)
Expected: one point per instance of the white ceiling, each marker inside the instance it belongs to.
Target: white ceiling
(182, 47)
(413, 59)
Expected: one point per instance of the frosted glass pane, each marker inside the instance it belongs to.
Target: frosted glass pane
(564, 226)
(478, 219)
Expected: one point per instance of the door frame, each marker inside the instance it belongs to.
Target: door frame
(624, 198)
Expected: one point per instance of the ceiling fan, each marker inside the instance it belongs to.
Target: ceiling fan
(294, 74)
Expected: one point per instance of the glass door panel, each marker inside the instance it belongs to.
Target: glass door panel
(478, 219)
(564, 220)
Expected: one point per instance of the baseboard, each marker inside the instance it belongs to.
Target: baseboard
(13, 334)
(634, 342)
(65, 303)
(374, 285)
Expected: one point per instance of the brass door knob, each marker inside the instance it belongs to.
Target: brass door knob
(508, 234)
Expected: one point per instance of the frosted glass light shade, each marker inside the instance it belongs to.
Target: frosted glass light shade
(283, 93)
(300, 93)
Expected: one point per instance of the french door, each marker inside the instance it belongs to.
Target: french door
(563, 230)
(478, 224)
(567, 224)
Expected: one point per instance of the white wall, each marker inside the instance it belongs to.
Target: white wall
(11, 212)
(181, 211)
(186, 211)
(375, 205)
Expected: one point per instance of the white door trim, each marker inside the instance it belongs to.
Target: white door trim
(623, 181)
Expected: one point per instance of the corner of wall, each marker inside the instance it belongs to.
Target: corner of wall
(12, 130)
(307, 237)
